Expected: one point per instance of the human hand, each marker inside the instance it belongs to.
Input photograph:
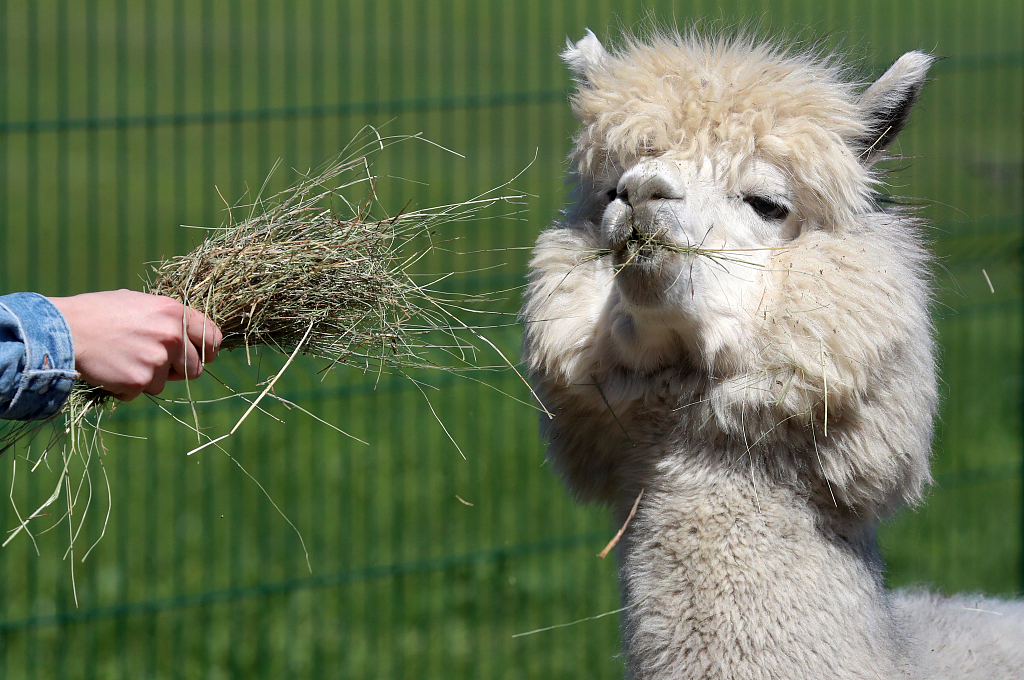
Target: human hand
(129, 343)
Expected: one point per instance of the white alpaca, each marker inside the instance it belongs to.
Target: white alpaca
(727, 320)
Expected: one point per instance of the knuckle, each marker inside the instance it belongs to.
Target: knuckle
(167, 303)
(155, 355)
(139, 379)
(169, 336)
(168, 330)
(168, 308)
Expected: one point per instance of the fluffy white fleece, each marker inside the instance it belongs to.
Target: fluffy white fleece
(727, 320)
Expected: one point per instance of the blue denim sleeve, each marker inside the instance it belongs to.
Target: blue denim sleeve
(37, 357)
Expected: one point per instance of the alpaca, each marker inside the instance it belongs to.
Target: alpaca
(729, 324)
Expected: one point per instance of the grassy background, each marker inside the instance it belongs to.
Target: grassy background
(118, 118)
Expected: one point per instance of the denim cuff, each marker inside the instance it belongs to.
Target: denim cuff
(37, 358)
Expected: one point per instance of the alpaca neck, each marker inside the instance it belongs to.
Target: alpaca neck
(728, 578)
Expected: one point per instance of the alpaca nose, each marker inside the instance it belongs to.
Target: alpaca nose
(648, 182)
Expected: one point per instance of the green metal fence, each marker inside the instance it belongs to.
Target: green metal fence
(117, 120)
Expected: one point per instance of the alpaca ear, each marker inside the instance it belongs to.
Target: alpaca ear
(888, 101)
(584, 57)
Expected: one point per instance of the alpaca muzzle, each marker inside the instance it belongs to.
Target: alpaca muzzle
(636, 221)
(637, 235)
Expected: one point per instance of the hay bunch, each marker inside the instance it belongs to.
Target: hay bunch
(293, 263)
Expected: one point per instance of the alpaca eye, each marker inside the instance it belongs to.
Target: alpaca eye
(612, 193)
(766, 208)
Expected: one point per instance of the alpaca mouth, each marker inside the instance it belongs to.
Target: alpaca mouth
(634, 240)
(639, 248)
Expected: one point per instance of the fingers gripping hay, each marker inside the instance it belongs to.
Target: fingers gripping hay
(294, 271)
(304, 271)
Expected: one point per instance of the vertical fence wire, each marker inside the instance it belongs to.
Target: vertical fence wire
(5, 281)
(4, 166)
(32, 148)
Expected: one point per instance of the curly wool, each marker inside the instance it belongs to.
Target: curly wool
(766, 377)
(730, 94)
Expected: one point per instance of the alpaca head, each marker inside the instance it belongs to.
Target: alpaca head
(725, 233)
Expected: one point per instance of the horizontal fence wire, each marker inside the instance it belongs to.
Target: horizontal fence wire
(441, 564)
(385, 107)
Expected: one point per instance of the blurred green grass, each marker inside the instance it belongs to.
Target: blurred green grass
(116, 121)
